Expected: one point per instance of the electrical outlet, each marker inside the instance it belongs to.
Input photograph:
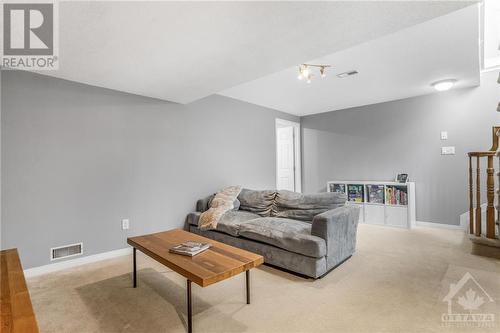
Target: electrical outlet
(447, 150)
(444, 135)
(125, 224)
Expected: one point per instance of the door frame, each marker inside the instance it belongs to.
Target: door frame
(297, 151)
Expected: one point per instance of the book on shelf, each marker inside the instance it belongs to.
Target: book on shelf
(355, 192)
(396, 196)
(190, 248)
(339, 188)
(375, 193)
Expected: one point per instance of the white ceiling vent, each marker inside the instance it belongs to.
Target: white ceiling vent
(346, 74)
(66, 251)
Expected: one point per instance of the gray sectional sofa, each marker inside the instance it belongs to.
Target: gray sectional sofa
(309, 234)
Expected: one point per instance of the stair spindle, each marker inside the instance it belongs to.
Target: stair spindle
(490, 210)
(471, 198)
(478, 198)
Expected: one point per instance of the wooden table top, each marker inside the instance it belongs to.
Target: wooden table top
(16, 311)
(219, 262)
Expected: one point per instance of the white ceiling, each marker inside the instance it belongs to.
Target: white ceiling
(183, 51)
(399, 65)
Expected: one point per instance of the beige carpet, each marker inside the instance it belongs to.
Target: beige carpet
(395, 282)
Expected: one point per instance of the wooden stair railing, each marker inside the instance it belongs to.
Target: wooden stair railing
(475, 222)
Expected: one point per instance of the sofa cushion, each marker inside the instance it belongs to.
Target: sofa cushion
(304, 207)
(229, 222)
(291, 235)
(258, 202)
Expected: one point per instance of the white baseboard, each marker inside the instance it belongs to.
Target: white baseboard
(54, 267)
(439, 225)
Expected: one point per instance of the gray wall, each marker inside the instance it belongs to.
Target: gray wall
(77, 159)
(378, 141)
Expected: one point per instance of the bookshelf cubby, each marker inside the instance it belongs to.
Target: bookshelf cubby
(382, 203)
(356, 193)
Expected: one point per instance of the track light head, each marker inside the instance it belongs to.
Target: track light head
(305, 71)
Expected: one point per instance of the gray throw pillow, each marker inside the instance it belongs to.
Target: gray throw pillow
(305, 206)
(258, 202)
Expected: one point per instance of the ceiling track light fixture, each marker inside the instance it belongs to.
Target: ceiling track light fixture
(305, 71)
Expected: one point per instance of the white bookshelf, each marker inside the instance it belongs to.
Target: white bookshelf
(396, 208)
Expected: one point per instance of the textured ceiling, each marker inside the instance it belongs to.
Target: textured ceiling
(399, 65)
(183, 51)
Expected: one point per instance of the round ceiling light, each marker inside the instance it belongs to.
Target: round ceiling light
(444, 85)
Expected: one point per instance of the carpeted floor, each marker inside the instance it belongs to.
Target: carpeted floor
(395, 282)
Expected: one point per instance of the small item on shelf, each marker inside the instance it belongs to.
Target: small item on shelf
(375, 193)
(190, 249)
(338, 188)
(402, 178)
(355, 192)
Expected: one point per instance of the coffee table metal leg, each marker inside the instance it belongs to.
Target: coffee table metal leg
(189, 305)
(135, 267)
(247, 278)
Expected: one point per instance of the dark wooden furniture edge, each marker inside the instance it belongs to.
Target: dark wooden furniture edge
(16, 309)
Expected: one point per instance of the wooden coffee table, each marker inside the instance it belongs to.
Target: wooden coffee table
(219, 262)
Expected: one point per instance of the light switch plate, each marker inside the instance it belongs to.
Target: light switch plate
(447, 150)
(125, 224)
(444, 135)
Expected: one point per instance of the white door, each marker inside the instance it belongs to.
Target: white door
(285, 158)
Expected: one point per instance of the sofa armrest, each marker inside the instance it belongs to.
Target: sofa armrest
(202, 204)
(338, 227)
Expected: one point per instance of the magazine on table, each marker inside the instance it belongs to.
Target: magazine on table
(190, 248)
